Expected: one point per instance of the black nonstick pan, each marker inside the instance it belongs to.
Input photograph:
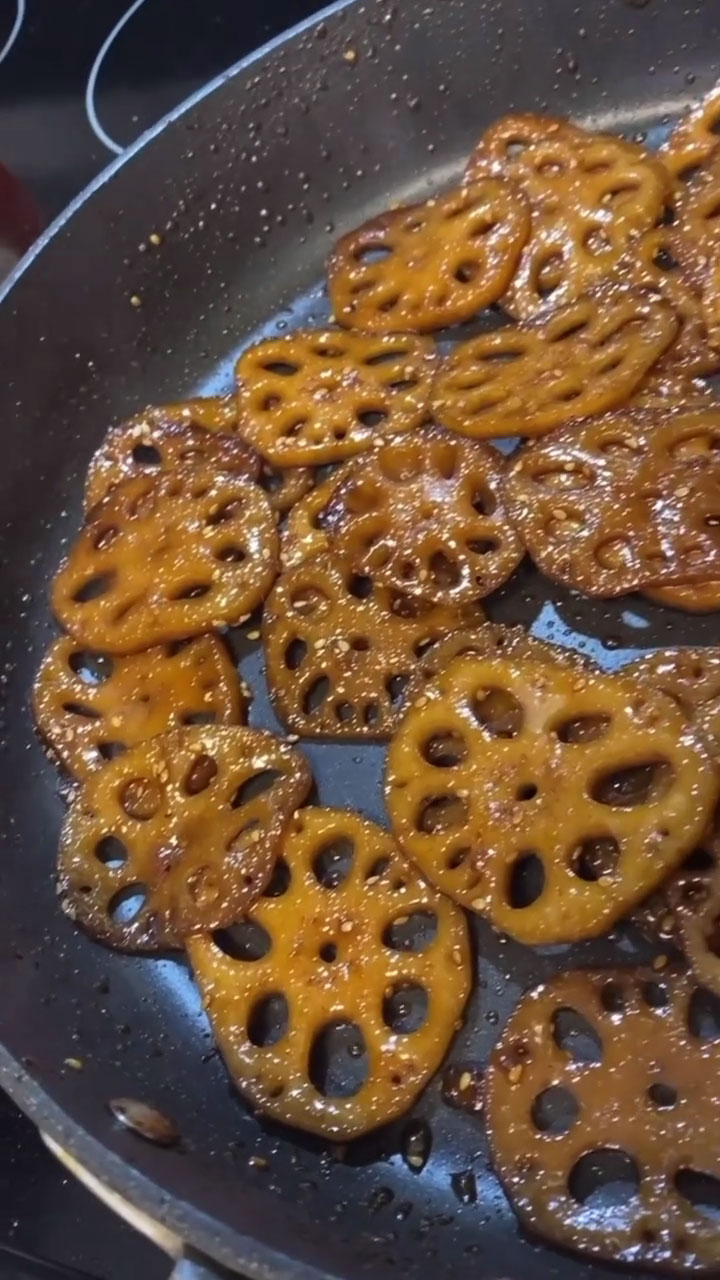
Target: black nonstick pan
(246, 187)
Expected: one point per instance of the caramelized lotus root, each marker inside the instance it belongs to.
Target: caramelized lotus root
(359, 957)
(579, 360)
(285, 488)
(649, 263)
(165, 557)
(695, 240)
(590, 195)
(490, 640)
(548, 798)
(429, 265)
(699, 597)
(628, 500)
(90, 707)
(340, 649)
(322, 395)
(697, 912)
(306, 533)
(214, 413)
(691, 677)
(694, 141)
(184, 828)
(610, 1077)
(154, 442)
(425, 514)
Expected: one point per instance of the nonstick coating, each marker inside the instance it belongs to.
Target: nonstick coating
(248, 186)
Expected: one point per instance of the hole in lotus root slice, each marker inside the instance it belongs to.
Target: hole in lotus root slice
(168, 804)
(443, 261)
(640, 506)
(633, 1178)
(582, 359)
(691, 677)
(285, 487)
(337, 644)
(184, 552)
(368, 1023)
(490, 640)
(214, 413)
(154, 442)
(590, 195)
(306, 533)
(649, 263)
(495, 824)
(319, 396)
(85, 703)
(424, 515)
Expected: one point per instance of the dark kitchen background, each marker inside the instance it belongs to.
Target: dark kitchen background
(79, 81)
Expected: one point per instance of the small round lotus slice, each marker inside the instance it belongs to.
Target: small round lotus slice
(336, 997)
(178, 834)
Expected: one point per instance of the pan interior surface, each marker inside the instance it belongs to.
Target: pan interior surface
(246, 191)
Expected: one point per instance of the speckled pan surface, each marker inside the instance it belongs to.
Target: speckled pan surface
(247, 188)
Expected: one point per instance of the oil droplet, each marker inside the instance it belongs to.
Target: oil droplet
(416, 1145)
(464, 1186)
(462, 1087)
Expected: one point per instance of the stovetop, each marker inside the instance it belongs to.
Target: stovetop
(79, 81)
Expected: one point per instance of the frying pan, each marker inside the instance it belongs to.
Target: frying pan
(247, 185)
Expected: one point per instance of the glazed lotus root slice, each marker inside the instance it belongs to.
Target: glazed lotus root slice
(580, 360)
(625, 501)
(178, 834)
(155, 442)
(611, 1077)
(590, 195)
(362, 976)
(285, 488)
(694, 140)
(306, 532)
(490, 640)
(650, 263)
(669, 389)
(695, 242)
(322, 395)
(691, 677)
(425, 515)
(425, 266)
(166, 557)
(697, 913)
(547, 798)
(90, 707)
(340, 650)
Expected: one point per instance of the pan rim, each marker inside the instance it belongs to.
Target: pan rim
(196, 1228)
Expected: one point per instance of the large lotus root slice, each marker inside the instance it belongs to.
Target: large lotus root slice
(628, 500)
(649, 263)
(699, 597)
(340, 649)
(691, 677)
(579, 360)
(547, 798)
(425, 515)
(154, 442)
(214, 413)
(322, 395)
(285, 488)
(490, 640)
(90, 707)
(429, 265)
(306, 532)
(602, 1105)
(335, 1000)
(590, 195)
(166, 557)
(694, 140)
(695, 240)
(178, 834)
